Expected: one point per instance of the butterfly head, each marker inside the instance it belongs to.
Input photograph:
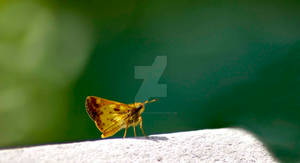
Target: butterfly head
(140, 106)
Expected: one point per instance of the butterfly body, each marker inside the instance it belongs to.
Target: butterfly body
(111, 116)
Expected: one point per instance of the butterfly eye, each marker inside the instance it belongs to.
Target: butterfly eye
(139, 107)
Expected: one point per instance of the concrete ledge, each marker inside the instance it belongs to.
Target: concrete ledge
(218, 145)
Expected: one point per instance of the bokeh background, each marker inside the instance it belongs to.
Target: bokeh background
(229, 64)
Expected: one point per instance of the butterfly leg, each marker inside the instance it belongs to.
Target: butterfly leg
(141, 125)
(125, 131)
(134, 131)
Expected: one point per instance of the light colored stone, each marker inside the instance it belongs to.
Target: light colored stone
(216, 145)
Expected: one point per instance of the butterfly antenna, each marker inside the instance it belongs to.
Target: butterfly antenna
(153, 100)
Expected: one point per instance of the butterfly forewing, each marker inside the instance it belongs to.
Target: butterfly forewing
(109, 116)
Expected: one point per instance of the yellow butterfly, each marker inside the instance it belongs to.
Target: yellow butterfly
(111, 116)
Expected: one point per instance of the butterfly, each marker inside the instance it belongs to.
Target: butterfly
(112, 116)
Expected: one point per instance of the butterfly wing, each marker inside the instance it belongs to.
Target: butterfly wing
(109, 116)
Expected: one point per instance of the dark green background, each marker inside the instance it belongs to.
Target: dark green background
(229, 64)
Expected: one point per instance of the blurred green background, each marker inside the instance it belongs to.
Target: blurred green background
(229, 64)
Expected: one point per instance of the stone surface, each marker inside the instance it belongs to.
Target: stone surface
(218, 145)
